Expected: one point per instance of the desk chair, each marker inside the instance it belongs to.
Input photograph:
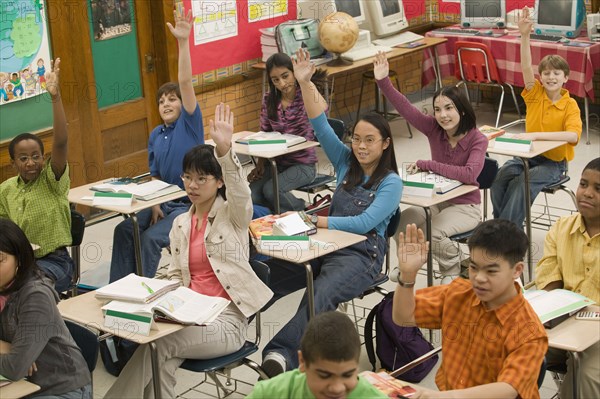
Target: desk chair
(87, 341)
(224, 364)
(321, 180)
(77, 230)
(474, 63)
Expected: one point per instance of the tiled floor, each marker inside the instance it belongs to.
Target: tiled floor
(96, 253)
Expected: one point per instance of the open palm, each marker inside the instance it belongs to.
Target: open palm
(221, 129)
(303, 68)
(52, 77)
(525, 24)
(183, 23)
(381, 67)
(412, 249)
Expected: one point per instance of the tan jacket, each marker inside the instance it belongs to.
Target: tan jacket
(226, 240)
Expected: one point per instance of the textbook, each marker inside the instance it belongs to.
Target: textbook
(143, 191)
(553, 307)
(183, 306)
(387, 384)
(511, 144)
(262, 226)
(274, 233)
(112, 199)
(294, 224)
(257, 138)
(491, 132)
(426, 183)
(134, 288)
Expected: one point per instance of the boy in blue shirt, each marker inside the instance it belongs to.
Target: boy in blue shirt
(182, 130)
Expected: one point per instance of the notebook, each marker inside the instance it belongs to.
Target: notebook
(134, 288)
(290, 139)
(441, 184)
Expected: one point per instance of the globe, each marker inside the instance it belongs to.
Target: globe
(338, 32)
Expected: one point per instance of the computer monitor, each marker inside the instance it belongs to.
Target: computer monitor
(482, 13)
(559, 17)
(387, 16)
(354, 8)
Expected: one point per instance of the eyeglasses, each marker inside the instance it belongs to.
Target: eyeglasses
(187, 179)
(368, 140)
(35, 158)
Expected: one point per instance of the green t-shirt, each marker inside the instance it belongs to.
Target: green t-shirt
(292, 385)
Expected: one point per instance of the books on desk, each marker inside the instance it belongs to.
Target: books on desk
(387, 384)
(553, 307)
(511, 144)
(425, 184)
(183, 306)
(270, 141)
(143, 191)
(134, 288)
(491, 132)
(275, 233)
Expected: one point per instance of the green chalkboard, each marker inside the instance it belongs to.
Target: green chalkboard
(25, 116)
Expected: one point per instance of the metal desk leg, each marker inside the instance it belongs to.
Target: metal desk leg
(155, 370)
(435, 63)
(576, 376)
(587, 120)
(310, 290)
(137, 244)
(429, 251)
(528, 217)
(275, 185)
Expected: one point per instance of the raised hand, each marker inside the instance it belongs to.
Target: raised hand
(381, 67)
(52, 78)
(412, 250)
(183, 23)
(221, 130)
(303, 68)
(525, 23)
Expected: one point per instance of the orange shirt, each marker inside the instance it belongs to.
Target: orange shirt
(545, 116)
(480, 346)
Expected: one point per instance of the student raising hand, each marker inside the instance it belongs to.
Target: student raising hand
(381, 67)
(52, 78)
(525, 24)
(183, 23)
(222, 130)
(412, 250)
(303, 68)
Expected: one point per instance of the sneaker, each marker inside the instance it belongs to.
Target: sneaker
(273, 364)
(448, 279)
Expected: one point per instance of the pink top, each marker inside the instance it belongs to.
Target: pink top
(463, 162)
(203, 279)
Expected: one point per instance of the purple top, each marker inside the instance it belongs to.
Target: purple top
(291, 121)
(463, 162)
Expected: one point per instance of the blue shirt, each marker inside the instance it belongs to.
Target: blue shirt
(168, 144)
(387, 195)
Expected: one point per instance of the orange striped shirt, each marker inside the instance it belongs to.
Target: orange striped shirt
(481, 346)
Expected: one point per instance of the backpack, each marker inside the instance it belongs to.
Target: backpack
(115, 353)
(296, 33)
(396, 345)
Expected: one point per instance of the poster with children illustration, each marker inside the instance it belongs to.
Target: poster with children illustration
(24, 50)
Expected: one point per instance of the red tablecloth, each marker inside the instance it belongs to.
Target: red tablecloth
(583, 61)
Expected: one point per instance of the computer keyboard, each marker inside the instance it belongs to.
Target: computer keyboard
(396, 40)
(451, 31)
(546, 38)
(365, 52)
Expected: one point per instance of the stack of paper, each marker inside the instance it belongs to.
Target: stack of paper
(268, 43)
(265, 137)
(134, 288)
(143, 191)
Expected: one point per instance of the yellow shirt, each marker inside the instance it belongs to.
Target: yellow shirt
(544, 116)
(572, 256)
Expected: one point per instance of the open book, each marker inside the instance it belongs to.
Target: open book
(555, 306)
(290, 139)
(134, 288)
(275, 233)
(437, 182)
(143, 191)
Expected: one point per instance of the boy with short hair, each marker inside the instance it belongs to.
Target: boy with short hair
(493, 343)
(36, 199)
(328, 357)
(181, 131)
(571, 261)
(551, 115)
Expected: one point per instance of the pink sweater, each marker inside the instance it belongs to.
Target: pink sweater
(463, 162)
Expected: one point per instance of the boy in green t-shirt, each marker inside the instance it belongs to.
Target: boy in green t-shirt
(328, 357)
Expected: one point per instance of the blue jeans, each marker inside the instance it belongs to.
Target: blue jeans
(59, 266)
(153, 239)
(85, 392)
(289, 178)
(508, 190)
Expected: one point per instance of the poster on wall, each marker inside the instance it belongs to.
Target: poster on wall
(111, 18)
(214, 20)
(24, 50)
(261, 10)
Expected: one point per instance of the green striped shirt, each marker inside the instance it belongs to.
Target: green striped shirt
(40, 208)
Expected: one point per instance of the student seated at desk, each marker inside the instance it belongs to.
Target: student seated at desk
(571, 261)
(283, 111)
(207, 244)
(36, 199)
(329, 355)
(551, 115)
(180, 131)
(493, 343)
(34, 340)
(367, 195)
(457, 152)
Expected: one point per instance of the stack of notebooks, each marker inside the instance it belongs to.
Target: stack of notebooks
(277, 233)
(268, 43)
(136, 302)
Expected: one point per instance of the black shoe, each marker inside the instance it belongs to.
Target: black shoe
(274, 364)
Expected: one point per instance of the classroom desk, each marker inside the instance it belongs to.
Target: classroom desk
(538, 147)
(77, 195)
(430, 62)
(18, 389)
(575, 336)
(86, 310)
(583, 62)
(268, 155)
(426, 203)
(328, 241)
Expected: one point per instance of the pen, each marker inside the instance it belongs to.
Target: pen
(146, 286)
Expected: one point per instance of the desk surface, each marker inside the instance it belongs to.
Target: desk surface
(86, 310)
(18, 389)
(426, 202)
(77, 194)
(243, 148)
(537, 148)
(328, 241)
(575, 335)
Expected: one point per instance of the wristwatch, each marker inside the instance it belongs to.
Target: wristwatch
(406, 284)
(314, 218)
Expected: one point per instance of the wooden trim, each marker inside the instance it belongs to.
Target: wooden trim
(120, 114)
